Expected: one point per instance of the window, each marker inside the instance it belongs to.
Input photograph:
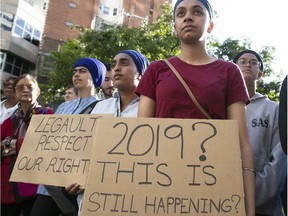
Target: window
(69, 24)
(72, 5)
(106, 10)
(27, 31)
(16, 66)
(20, 22)
(5, 27)
(6, 20)
(30, 2)
(114, 11)
(7, 17)
(44, 6)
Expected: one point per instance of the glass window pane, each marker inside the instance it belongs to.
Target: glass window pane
(106, 10)
(8, 68)
(69, 24)
(37, 33)
(10, 59)
(20, 22)
(115, 12)
(29, 28)
(18, 62)
(16, 71)
(18, 31)
(25, 66)
(27, 36)
(72, 5)
(35, 41)
(8, 17)
(5, 27)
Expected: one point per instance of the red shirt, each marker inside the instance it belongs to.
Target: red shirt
(7, 194)
(215, 85)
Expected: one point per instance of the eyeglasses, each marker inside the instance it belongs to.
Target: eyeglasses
(22, 87)
(252, 63)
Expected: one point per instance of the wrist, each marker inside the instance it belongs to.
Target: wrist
(7, 142)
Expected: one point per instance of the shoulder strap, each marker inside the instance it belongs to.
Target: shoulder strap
(89, 108)
(194, 100)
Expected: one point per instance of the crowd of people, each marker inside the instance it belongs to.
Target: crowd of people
(132, 87)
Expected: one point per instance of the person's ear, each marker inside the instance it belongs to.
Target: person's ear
(138, 76)
(210, 27)
(260, 74)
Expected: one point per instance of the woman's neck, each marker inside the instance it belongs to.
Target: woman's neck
(195, 54)
(25, 107)
(126, 97)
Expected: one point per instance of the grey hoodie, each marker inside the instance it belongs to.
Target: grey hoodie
(270, 162)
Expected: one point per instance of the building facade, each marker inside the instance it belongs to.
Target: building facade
(31, 29)
(22, 25)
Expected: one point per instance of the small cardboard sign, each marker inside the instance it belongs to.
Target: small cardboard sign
(56, 150)
(152, 166)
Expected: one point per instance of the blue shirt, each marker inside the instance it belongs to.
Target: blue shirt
(75, 106)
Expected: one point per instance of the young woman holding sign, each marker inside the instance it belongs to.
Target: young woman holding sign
(218, 85)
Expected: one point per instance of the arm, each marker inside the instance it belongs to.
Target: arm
(146, 107)
(271, 172)
(236, 111)
(270, 180)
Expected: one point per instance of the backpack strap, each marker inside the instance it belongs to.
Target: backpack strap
(89, 108)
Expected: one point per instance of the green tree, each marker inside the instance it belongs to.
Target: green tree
(230, 48)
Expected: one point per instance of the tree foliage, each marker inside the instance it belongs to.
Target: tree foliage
(156, 41)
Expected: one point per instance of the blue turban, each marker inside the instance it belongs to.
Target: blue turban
(96, 68)
(236, 58)
(139, 59)
(204, 2)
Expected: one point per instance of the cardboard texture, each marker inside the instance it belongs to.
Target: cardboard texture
(56, 150)
(145, 166)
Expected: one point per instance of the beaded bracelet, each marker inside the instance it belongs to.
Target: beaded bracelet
(250, 170)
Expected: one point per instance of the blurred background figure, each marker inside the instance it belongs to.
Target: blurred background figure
(70, 93)
(106, 89)
(9, 104)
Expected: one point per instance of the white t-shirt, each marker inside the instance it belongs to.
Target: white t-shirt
(6, 113)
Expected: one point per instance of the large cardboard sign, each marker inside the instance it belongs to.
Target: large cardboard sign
(56, 150)
(145, 166)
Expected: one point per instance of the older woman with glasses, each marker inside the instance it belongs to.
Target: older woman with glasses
(18, 198)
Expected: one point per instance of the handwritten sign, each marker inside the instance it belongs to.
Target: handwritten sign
(145, 166)
(56, 150)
